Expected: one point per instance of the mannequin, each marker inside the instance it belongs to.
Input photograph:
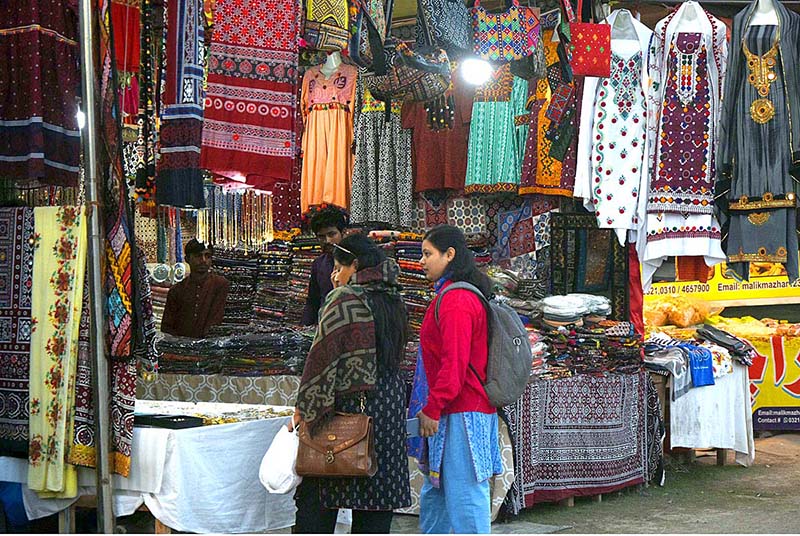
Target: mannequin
(765, 14)
(623, 28)
(689, 20)
(332, 64)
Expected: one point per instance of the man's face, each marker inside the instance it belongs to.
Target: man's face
(328, 236)
(200, 263)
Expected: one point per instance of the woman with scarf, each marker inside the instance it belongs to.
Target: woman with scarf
(462, 450)
(363, 331)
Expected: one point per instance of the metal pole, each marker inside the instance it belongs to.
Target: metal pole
(105, 514)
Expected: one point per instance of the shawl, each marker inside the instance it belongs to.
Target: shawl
(343, 356)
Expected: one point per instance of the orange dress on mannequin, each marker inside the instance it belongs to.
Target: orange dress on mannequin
(328, 138)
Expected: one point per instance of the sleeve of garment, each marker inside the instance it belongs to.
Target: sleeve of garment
(456, 322)
(304, 97)
(169, 319)
(311, 309)
(583, 168)
(727, 138)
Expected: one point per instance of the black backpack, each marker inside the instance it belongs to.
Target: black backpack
(510, 356)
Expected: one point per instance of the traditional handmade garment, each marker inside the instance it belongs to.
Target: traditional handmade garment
(496, 137)
(756, 196)
(179, 179)
(249, 123)
(39, 136)
(439, 157)
(126, 18)
(687, 69)
(544, 170)
(17, 244)
(382, 176)
(119, 285)
(148, 99)
(612, 139)
(58, 273)
(558, 446)
(328, 105)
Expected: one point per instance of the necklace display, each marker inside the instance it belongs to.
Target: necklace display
(237, 219)
(762, 75)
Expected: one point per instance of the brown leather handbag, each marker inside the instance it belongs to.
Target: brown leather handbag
(343, 446)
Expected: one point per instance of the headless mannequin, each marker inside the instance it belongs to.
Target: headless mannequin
(623, 29)
(331, 64)
(689, 19)
(765, 14)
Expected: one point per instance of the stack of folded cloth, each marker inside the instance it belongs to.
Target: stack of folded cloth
(158, 293)
(416, 290)
(241, 269)
(305, 249)
(739, 349)
(272, 290)
(560, 311)
(599, 307)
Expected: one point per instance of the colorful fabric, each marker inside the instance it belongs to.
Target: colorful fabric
(501, 36)
(179, 180)
(119, 286)
(251, 99)
(326, 24)
(467, 213)
(17, 244)
(558, 446)
(58, 274)
(345, 340)
(39, 136)
(82, 451)
(126, 18)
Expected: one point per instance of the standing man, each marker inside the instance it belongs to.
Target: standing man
(198, 302)
(328, 225)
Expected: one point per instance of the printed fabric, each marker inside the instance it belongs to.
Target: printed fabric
(179, 179)
(251, 99)
(39, 81)
(58, 274)
(17, 244)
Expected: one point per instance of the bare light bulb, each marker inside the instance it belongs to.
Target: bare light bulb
(476, 71)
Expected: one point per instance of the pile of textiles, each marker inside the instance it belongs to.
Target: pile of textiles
(739, 349)
(159, 293)
(258, 352)
(673, 357)
(304, 250)
(241, 269)
(574, 309)
(520, 294)
(601, 348)
(272, 290)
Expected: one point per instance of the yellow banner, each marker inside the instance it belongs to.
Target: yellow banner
(775, 383)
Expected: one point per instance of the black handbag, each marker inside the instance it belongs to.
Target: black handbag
(449, 24)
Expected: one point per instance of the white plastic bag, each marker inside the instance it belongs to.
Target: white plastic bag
(277, 472)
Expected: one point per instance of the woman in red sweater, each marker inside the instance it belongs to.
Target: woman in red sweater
(462, 450)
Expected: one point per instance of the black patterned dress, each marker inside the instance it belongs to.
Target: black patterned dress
(389, 488)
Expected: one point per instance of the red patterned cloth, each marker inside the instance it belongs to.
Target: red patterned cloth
(250, 105)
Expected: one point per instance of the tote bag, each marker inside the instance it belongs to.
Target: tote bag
(590, 45)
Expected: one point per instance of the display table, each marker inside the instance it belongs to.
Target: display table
(201, 480)
(584, 435)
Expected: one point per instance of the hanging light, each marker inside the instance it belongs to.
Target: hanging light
(81, 117)
(476, 71)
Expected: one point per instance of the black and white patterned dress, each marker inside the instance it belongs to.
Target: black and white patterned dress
(389, 488)
(382, 178)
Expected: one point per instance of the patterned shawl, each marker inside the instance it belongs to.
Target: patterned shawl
(343, 357)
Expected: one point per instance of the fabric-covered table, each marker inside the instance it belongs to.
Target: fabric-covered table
(584, 435)
(200, 480)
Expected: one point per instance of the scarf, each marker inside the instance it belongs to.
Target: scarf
(343, 356)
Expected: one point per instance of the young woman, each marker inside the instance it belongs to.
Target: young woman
(460, 423)
(362, 331)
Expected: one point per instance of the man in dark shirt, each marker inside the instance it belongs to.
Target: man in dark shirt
(198, 302)
(328, 225)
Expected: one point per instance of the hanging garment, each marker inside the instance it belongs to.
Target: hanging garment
(760, 144)
(59, 266)
(612, 139)
(39, 81)
(328, 105)
(496, 136)
(248, 127)
(179, 180)
(382, 175)
(126, 18)
(439, 158)
(542, 172)
(687, 69)
(16, 266)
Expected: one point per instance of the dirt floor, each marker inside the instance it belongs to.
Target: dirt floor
(697, 498)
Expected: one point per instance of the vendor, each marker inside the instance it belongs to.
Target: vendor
(328, 225)
(198, 302)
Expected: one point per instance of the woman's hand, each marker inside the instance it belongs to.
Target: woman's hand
(294, 421)
(335, 279)
(427, 426)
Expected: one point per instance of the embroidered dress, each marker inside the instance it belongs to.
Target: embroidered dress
(248, 128)
(382, 175)
(684, 101)
(17, 244)
(39, 82)
(496, 141)
(756, 194)
(58, 273)
(327, 105)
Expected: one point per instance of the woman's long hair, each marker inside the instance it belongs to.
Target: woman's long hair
(388, 309)
(462, 267)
